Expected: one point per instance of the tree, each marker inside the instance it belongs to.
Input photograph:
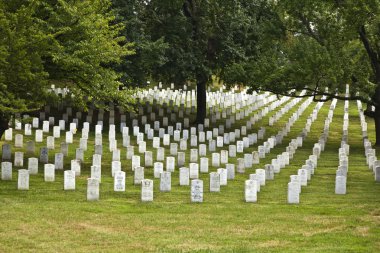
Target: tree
(57, 41)
(192, 40)
(325, 45)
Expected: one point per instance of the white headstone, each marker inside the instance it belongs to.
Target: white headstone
(196, 190)
(184, 175)
(146, 190)
(340, 185)
(92, 189)
(250, 191)
(293, 193)
(138, 175)
(96, 172)
(69, 180)
(75, 166)
(194, 170)
(214, 182)
(23, 180)
(19, 159)
(165, 181)
(119, 181)
(49, 172)
(115, 166)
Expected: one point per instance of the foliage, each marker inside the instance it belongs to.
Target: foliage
(179, 40)
(321, 49)
(44, 42)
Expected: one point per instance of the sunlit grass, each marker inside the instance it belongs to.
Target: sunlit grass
(48, 219)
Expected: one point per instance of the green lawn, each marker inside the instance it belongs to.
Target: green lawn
(48, 219)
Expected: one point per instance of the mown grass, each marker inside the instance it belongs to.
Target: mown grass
(48, 219)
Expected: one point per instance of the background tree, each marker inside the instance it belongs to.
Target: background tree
(326, 44)
(57, 42)
(192, 40)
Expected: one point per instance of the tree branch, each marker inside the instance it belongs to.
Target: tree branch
(314, 93)
(309, 29)
(373, 56)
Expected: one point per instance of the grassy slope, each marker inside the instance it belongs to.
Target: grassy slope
(46, 218)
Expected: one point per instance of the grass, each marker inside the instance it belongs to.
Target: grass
(48, 219)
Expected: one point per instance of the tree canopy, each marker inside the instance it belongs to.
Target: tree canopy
(325, 44)
(44, 42)
(192, 40)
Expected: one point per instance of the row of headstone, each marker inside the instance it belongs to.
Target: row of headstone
(370, 153)
(305, 173)
(273, 119)
(252, 186)
(344, 151)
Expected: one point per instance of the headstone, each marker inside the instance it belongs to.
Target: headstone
(269, 172)
(222, 176)
(158, 169)
(39, 136)
(23, 180)
(255, 157)
(142, 147)
(181, 156)
(33, 166)
(240, 165)
(49, 172)
(303, 176)
(165, 181)
(197, 191)
(92, 189)
(215, 160)
(256, 178)
(50, 142)
(146, 190)
(58, 161)
(340, 185)
(377, 174)
(223, 156)
(69, 180)
(261, 176)
(19, 159)
(8, 134)
(119, 181)
(230, 171)
(19, 143)
(138, 175)
(44, 155)
(79, 154)
(6, 171)
(184, 176)
(115, 167)
(250, 191)
(75, 166)
(64, 148)
(130, 152)
(69, 137)
(30, 147)
(28, 129)
(204, 165)
(248, 161)
(96, 172)
(148, 159)
(193, 155)
(6, 152)
(214, 182)
(194, 170)
(293, 193)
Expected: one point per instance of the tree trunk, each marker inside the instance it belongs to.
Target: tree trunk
(3, 124)
(377, 126)
(376, 114)
(201, 99)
